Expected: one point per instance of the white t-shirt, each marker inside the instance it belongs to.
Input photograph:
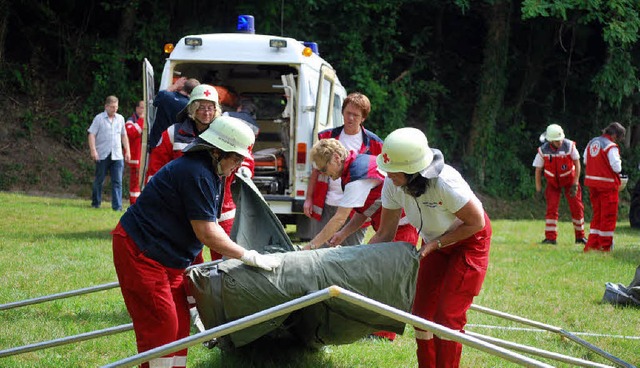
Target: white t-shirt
(433, 212)
(351, 143)
(356, 192)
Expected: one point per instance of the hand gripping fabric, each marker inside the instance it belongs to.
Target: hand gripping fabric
(255, 259)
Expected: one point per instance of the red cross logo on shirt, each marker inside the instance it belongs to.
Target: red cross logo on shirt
(385, 158)
(207, 92)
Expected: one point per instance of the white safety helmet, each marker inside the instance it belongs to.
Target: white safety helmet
(204, 92)
(226, 133)
(554, 133)
(405, 150)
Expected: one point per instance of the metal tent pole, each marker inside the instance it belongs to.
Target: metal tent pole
(555, 329)
(59, 296)
(316, 297)
(535, 351)
(65, 340)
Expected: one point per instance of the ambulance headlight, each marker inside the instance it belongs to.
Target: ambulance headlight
(193, 41)
(277, 43)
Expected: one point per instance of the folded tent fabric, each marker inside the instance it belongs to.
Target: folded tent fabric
(232, 290)
(227, 291)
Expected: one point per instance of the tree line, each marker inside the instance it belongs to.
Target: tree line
(481, 78)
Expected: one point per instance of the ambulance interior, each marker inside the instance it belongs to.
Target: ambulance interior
(263, 84)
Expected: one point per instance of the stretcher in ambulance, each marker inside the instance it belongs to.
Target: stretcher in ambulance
(296, 93)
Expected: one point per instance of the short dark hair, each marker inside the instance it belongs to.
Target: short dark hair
(190, 84)
(360, 101)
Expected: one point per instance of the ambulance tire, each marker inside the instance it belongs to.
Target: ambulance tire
(634, 208)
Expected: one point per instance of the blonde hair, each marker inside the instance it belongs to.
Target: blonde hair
(192, 107)
(323, 150)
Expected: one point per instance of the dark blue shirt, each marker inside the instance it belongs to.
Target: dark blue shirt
(159, 222)
(169, 104)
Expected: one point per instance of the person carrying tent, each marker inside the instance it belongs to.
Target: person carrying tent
(163, 232)
(456, 235)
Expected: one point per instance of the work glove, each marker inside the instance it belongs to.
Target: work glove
(244, 172)
(255, 259)
(573, 190)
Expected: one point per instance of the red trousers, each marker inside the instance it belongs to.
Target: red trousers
(552, 194)
(134, 184)
(448, 280)
(155, 299)
(603, 223)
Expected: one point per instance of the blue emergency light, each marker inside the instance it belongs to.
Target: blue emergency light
(246, 24)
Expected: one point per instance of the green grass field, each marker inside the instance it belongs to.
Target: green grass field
(52, 245)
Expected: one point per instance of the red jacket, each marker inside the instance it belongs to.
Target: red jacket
(371, 144)
(598, 171)
(134, 126)
(559, 169)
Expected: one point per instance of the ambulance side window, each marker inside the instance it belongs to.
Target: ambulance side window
(337, 111)
(323, 108)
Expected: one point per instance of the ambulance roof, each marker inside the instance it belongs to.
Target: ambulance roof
(244, 47)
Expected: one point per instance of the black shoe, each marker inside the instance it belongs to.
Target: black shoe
(549, 241)
(581, 240)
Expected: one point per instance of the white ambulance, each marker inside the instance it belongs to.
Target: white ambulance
(296, 92)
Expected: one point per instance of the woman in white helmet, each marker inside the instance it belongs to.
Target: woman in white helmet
(456, 235)
(163, 232)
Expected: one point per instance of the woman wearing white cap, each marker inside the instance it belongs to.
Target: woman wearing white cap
(163, 232)
(456, 233)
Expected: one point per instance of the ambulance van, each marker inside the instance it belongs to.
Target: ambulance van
(296, 93)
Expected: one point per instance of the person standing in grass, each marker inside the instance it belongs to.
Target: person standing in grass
(456, 235)
(134, 126)
(163, 232)
(559, 160)
(107, 139)
(602, 176)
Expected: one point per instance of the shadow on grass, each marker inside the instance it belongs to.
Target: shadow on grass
(87, 235)
(269, 354)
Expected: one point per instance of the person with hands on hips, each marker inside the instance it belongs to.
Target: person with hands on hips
(456, 233)
(163, 232)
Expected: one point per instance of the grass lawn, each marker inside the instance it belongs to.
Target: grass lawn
(52, 245)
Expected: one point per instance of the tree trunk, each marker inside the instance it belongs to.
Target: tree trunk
(492, 86)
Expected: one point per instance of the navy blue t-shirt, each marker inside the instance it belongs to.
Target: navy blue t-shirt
(185, 189)
(169, 104)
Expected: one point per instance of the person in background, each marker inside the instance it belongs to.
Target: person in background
(456, 235)
(169, 103)
(323, 193)
(134, 126)
(107, 138)
(201, 111)
(246, 111)
(162, 233)
(559, 160)
(602, 176)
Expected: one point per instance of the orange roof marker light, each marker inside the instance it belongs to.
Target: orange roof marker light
(168, 47)
(313, 46)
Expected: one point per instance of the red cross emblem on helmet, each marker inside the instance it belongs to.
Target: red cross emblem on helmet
(385, 158)
(207, 92)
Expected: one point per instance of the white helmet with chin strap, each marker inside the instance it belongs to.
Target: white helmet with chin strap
(226, 133)
(405, 150)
